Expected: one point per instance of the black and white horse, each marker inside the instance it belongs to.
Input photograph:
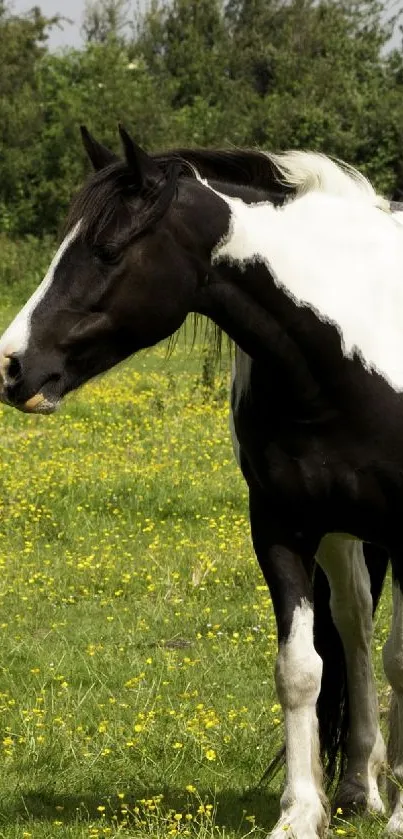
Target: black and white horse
(309, 284)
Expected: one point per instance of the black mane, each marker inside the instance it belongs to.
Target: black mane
(110, 192)
(243, 167)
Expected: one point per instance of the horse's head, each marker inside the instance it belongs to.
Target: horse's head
(125, 276)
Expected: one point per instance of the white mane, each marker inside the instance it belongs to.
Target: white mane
(312, 171)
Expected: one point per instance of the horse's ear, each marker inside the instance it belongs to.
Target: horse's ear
(146, 172)
(98, 154)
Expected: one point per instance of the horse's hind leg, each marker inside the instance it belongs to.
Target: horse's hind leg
(393, 664)
(343, 562)
(287, 568)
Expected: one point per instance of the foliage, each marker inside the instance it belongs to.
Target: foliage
(22, 45)
(22, 266)
(104, 19)
(196, 72)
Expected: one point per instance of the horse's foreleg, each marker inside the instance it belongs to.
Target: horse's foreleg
(304, 812)
(393, 664)
(343, 562)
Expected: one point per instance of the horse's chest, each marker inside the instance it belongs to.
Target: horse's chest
(287, 462)
(326, 471)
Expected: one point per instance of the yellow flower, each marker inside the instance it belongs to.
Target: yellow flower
(210, 754)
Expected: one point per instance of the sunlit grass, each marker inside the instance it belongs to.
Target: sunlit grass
(137, 635)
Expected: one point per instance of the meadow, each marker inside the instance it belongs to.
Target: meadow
(137, 635)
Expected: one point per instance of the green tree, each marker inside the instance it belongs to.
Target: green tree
(22, 45)
(105, 19)
(186, 42)
(305, 73)
(314, 75)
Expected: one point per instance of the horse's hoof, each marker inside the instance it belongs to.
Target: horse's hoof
(353, 798)
(305, 820)
(394, 826)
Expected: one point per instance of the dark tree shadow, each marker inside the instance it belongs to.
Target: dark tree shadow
(231, 806)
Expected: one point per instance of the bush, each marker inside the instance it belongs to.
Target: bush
(23, 265)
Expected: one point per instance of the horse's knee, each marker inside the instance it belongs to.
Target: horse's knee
(299, 667)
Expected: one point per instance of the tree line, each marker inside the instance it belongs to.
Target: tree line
(276, 74)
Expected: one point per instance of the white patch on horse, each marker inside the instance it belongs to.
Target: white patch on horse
(298, 677)
(340, 256)
(16, 337)
(398, 216)
(342, 559)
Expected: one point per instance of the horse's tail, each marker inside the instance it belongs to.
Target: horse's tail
(332, 706)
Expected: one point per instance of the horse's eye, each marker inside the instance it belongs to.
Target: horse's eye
(107, 255)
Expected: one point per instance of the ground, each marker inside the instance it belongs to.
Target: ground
(137, 635)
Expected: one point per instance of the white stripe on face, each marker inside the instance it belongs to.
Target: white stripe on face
(15, 339)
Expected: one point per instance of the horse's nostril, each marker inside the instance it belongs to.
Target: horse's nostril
(14, 370)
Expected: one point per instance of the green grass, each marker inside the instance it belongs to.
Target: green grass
(137, 635)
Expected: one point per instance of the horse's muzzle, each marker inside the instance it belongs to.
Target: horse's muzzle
(37, 404)
(9, 381)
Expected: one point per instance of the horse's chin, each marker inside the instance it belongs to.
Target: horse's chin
(37, 404)
(40, 404)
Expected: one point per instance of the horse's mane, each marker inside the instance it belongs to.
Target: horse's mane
(110, 190)
(292, 173)
(284, 175)
(313, 171)
(242, 167)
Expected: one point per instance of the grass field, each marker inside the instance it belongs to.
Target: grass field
(137, 635)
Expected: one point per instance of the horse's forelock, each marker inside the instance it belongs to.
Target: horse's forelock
(108, 194)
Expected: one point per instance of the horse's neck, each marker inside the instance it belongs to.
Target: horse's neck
(240, 296)
(326, 271)
(258, 333)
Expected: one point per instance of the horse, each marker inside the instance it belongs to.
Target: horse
(308, 286)
(352, 746)
(350, 738)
